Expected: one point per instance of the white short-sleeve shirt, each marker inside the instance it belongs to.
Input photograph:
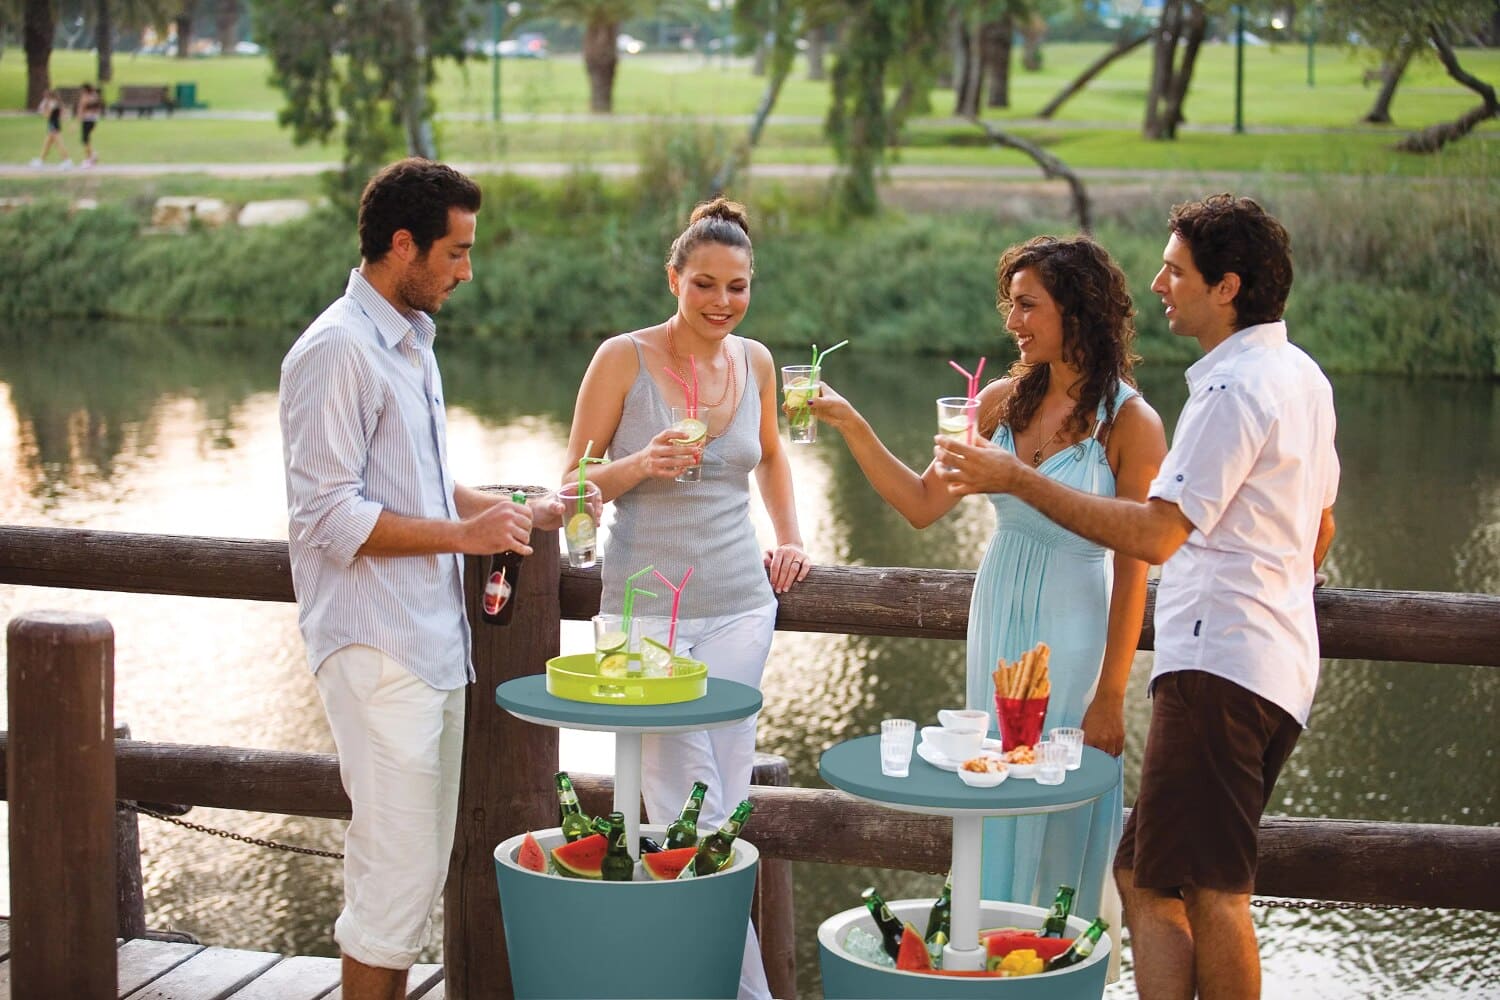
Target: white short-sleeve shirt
(1252, 466)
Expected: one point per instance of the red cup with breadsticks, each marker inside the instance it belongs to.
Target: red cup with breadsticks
(1022, 690)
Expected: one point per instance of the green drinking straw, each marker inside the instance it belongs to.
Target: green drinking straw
(818, 357)
(630, 592)
(582, 465)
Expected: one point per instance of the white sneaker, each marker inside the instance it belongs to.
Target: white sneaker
(67, 164)
(36, 161)
(89, 162)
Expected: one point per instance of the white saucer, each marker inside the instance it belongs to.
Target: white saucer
(945, 763)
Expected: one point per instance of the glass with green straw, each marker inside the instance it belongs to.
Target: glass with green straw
(581, 532)
(800, 383)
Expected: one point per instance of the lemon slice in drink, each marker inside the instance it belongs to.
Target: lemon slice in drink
(691, 430)
(614, 665)
(953, 427)
(580, 530)
(656, 658)
(609, 642)
(798, 392)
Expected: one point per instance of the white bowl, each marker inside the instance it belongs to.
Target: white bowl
(956, 744)
(982, 779)
(963, 718)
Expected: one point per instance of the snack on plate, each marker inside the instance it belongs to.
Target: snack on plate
(985, 764)
(1027, 677)
(1021, 755)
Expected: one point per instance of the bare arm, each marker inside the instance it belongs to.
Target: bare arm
(1326, 528)
(920, 498)
(1139, 444)
(596, 417)
(502, 527)
(546, 511)
(788, 563)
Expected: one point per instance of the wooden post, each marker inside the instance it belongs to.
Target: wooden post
(508, 766)
(130, 893)
(60, 775)
(772, 910)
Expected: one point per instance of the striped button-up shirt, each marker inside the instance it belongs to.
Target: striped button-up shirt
(363, 430)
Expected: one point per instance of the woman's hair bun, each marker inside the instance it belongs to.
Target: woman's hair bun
(722, 208)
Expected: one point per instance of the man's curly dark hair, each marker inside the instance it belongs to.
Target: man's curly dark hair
(1228, 234)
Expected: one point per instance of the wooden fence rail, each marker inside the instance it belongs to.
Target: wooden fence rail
(1362, 862)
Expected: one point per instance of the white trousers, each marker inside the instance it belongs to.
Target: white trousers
(735, 648)
(400, 745)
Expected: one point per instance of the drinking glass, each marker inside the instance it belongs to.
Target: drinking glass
(1072, 738)
(694, 429)
(614, 644)
(580, 531)
(1051, 762)
(652, 632)
(956, 416)
(799, 383)
(897, 738)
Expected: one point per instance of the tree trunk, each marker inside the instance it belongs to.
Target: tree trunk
(995, 42)
(1390, 78)
(1123, 46)
(40, 23)
(1051, 166)
(1435, 137)
(228, 25)
(968, 74)
(1163, 52)
(411, 84)
(759, 59)
(1032, 36)
(105, 30)
(1182, 24)
(600, 60)
(1196, 28)
(184, 22)
(817, 46)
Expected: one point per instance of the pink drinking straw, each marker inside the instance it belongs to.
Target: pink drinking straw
(693, 400)
(687, 392)
(676, 603)
(973, 391)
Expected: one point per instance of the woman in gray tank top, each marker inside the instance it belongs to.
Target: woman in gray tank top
(728, 610)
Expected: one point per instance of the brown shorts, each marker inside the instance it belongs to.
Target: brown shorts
(1213, 752)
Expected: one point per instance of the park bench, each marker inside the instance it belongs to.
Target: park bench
(142, 99)
(68, 96)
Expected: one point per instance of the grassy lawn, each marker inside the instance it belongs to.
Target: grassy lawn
(1099, 128)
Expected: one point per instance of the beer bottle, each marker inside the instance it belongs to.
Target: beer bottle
(1056, 924)
(684, 829)
(715, 850)
(498, 603)
(649, 846)
(573, 822)
(890, 927)
(618, 865)
(1082, 948)
(939, 921)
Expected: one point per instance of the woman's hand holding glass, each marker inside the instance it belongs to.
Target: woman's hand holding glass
(981, 467)
(834, 410)
(666, 455)
(787, 564)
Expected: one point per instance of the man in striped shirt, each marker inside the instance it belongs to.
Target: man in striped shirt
(378, 531)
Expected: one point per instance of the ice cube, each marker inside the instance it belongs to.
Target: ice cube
(863, 945)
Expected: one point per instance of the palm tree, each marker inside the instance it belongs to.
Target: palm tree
(600, 21)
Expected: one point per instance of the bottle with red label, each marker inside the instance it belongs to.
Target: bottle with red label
(502, 581)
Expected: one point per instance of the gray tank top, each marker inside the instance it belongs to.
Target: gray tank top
(674, 525)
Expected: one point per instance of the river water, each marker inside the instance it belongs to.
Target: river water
(175, 432)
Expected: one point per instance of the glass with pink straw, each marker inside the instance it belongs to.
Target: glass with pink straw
(958, 416)
(691, 423)
(659, 634)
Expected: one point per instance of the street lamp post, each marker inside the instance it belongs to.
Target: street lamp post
(500, 14)
(1239, 69)
(1312, 37)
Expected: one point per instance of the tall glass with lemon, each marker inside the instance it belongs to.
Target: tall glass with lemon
(692, 428)
(613, 646)
(580, 531)
(799, 383)
(957, 416)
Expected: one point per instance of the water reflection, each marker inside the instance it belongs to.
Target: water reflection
(175, 432)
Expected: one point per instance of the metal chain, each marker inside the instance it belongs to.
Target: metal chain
(256, 841)
(1330, 904)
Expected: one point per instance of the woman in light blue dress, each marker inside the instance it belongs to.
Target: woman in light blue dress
(1068, 407)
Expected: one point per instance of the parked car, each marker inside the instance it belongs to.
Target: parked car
(526, 45)
(628, 44)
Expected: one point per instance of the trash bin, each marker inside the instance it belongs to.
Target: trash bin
(185, 95)
(846, 977)
(583, 938)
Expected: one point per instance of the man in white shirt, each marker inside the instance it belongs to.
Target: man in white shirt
(1240, 517)
(378, 531)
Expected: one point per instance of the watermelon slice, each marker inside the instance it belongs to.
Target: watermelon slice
(583, 858)
(667, 865)
(530, 855)
(913, 955)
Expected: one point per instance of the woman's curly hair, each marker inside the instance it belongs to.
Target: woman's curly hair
(1098, 327)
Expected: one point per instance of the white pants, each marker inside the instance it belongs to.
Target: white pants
(400, 745)
(735, 648)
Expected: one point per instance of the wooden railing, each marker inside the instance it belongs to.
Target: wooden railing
(1413, 864)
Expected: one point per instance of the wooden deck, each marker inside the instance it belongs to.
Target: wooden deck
(161, 970)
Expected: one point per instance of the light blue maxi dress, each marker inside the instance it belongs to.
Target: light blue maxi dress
(1040, 583)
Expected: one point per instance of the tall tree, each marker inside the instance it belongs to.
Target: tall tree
(227, 25)
(600, 21)
(776, 21)
(39, 22)
(376, 88)
(183, 19)
(1391, 72)
(1392, 26)
(1179, 37)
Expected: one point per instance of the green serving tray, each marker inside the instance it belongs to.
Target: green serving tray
(576, 678)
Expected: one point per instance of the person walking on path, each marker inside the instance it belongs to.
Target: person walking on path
(1069, 406)
(729, 610)
(377, 534)
(51, 108)
(90, 110)
(1240, 517)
